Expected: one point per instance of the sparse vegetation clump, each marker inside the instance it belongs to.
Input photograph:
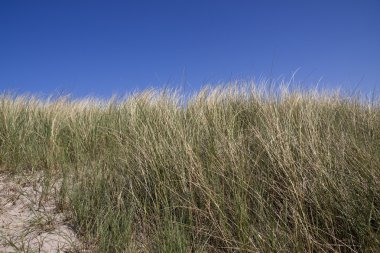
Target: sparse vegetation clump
(231, 169)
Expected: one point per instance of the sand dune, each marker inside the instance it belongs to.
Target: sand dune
(29, 220)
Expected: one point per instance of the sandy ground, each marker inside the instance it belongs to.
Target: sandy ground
(29, 220)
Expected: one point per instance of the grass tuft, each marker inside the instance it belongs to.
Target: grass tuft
(234, 168)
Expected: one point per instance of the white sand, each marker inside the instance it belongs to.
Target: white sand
(29, 223)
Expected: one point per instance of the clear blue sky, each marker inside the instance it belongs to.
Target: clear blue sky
(105, 47)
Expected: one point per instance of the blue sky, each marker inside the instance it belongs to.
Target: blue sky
(105, 47)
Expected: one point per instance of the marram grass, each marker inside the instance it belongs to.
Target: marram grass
(231, 169)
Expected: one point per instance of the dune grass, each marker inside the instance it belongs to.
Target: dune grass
(234, 169)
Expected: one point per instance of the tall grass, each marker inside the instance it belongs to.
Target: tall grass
(231, 169)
